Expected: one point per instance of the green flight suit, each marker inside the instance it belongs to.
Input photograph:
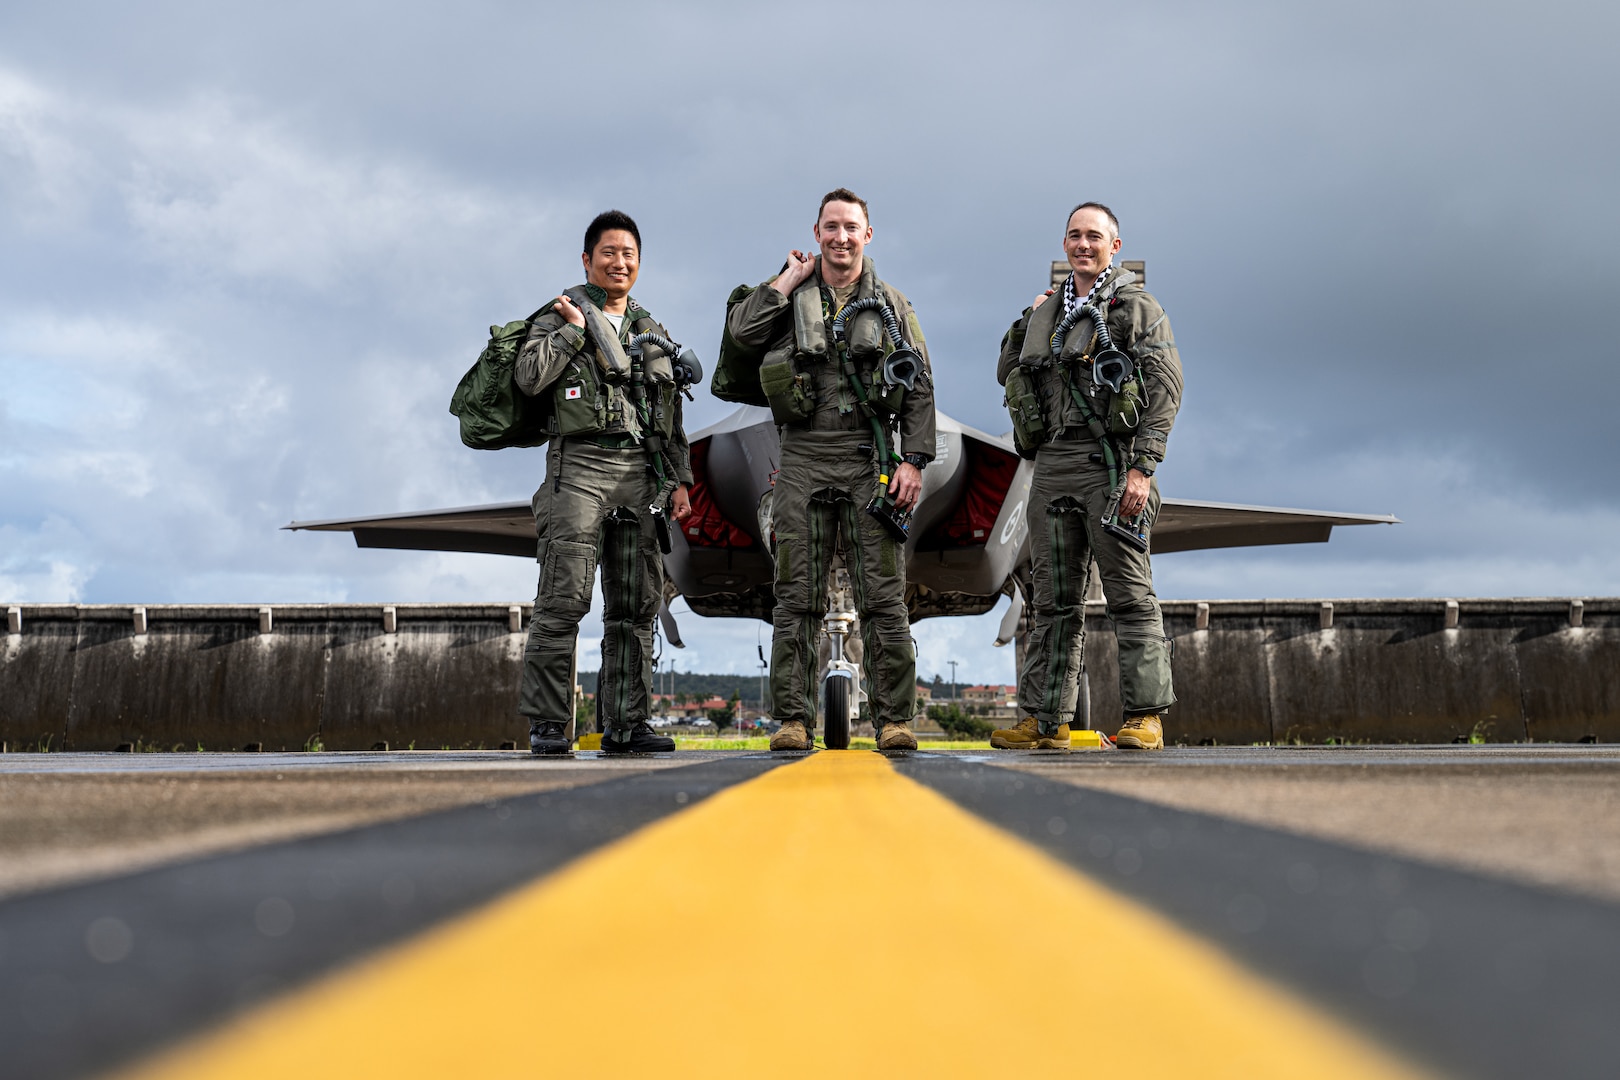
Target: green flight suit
(819, 500)
(1069, 493)
(592, 510)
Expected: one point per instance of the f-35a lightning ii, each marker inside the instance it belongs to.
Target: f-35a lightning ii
(968, 546)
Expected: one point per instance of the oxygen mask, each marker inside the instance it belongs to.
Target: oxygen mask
(688, 369)
(684, 367)
(1111, 368)
(900, 367)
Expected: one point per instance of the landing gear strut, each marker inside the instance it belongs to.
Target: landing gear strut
(841, 693)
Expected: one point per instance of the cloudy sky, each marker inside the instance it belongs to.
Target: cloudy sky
(247, 250)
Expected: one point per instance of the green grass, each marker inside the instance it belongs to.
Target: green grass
(760, 742)
(709, 742)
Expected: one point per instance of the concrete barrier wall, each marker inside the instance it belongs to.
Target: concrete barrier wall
(1381, 670)
(346, 676)
(351, 676)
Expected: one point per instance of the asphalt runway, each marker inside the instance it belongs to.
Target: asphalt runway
(1343, 911)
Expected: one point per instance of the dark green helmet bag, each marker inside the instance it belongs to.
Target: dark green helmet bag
(494, 413)
(736, 372)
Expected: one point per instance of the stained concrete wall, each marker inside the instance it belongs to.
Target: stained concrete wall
(1383, 671)
(85, 677)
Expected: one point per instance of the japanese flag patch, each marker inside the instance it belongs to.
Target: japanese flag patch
(572, 393)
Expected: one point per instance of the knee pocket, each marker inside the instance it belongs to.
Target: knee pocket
(565, 579)
(783, 551)
(888, 557)
(793, 572)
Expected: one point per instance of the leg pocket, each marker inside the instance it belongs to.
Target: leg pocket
(565, 580)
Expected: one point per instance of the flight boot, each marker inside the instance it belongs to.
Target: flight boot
(792, 735)
(638, 738)
(896, 735)
(1141, 733)
(549, 738)
(1027, 734)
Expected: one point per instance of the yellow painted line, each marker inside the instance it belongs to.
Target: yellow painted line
(828, 919)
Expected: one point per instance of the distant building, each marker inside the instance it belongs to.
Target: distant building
(996, 702)
(988, 695)
(692, 709)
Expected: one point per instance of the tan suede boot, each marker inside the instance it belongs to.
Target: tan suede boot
(1141, 733)
(896, 735)
(1026, 735)
(791, 736)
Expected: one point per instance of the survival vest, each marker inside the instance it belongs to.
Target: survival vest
(590, 396)
(1041, 388)
(804, 374)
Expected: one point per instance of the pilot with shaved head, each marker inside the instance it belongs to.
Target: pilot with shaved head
(618, 463)
(1093, 384)
(840, 357)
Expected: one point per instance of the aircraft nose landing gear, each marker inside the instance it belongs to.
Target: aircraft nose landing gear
(841, 693)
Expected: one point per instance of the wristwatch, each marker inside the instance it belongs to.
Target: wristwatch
(916, 461)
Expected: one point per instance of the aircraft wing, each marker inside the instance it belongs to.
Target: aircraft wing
(1188, 525)
(969, 535)
(494, 528)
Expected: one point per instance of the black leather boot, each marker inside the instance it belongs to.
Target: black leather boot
(639, 738)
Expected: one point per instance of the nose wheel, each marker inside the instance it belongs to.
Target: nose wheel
(841, 695)
(835, 711)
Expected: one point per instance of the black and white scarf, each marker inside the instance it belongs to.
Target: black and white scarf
(1070, 302)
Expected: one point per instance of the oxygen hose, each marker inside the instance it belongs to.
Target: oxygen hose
(879, 437)
(855, 307)
(651, 438)
(659, 340)
(1061, 334)
(638, 381)
(895, 521)
(1110, 522)
(1093, 424)
(869, 303)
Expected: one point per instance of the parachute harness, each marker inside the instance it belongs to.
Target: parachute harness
(651, 418)
(892, 328)
(1109, 368)
(895, 520)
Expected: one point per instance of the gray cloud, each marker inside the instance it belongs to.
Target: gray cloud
(250, 249)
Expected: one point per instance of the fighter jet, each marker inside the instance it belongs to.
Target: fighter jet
(968, 543)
